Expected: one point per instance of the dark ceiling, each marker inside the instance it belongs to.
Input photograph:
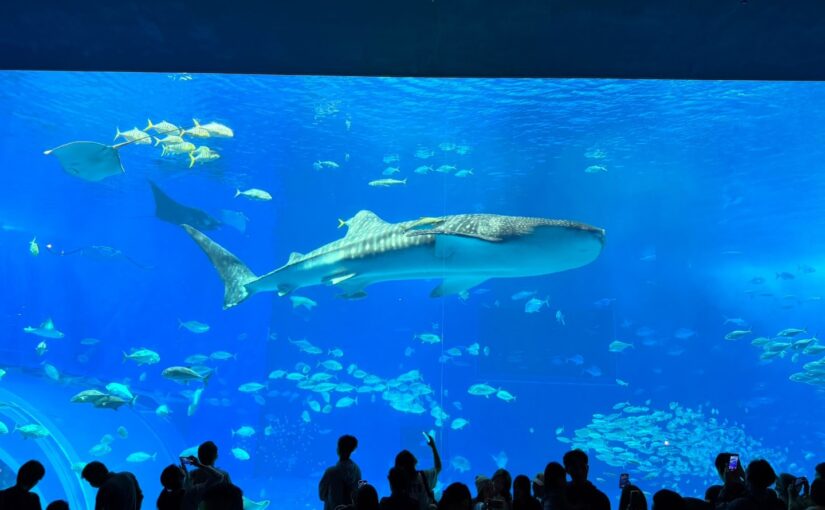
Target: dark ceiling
(703, 39)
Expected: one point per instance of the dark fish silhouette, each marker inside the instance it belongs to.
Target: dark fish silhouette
(169, 210)
(101, 252)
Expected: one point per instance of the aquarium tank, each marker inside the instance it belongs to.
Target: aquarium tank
(517, 267)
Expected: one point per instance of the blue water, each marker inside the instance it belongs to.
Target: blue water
(708, 185)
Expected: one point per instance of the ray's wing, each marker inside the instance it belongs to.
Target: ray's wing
(90, 161)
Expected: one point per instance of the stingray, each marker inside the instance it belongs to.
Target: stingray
(91, 161)
(169, 210)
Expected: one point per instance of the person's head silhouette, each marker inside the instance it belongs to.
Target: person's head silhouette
(366, 498)
(171, 477)
(58, 505)
(668, 500)
(29, 474)
(346, 445)
(577, 465)
(484, 488)
(555, 477)
(96, 473)
(760, 475)
(208, 453)
(406, 460)
(521, 488)
(502, 481)
(632, 498)
(455, 497)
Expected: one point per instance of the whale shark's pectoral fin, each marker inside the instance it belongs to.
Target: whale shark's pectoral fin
(455, 285)
(358, 294)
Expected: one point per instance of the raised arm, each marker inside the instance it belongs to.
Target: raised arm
(436, 456)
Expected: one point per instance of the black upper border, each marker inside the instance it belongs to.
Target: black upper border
(683, 39)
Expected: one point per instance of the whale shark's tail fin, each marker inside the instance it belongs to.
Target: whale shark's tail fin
(233, 272)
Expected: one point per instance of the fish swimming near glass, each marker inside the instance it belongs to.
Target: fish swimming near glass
(463, 250)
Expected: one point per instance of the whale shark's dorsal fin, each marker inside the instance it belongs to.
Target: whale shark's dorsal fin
(47, 324)
(294, 257)
(362, 221)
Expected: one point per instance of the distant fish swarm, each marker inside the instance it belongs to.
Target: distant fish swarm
(671, 445)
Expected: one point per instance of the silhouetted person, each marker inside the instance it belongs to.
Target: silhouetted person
(502, 481)
(58, 505)
(759, 477)
(819, 471)
(422, 482)
(340, 481)
(179, 491)
(555, 487)
(538, 487)
(207, 456)
(696, 504)
(171, 497)
(365, 498)
(712, 495)
(484, 491)
(399, 498)
(115, 491)
(580, 493)
(818, 493)
(222, 496)
(792, 495)
(632, 498)
(522, 498)
(456, 497)
(733, 481)
(19, 496)
(668, 500)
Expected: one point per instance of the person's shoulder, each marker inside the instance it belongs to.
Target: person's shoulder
(430, 474)
(601, 496)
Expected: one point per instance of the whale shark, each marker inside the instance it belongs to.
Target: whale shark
(462, 250)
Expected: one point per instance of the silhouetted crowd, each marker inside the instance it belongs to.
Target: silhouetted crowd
(196, 484)
(560, 487)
